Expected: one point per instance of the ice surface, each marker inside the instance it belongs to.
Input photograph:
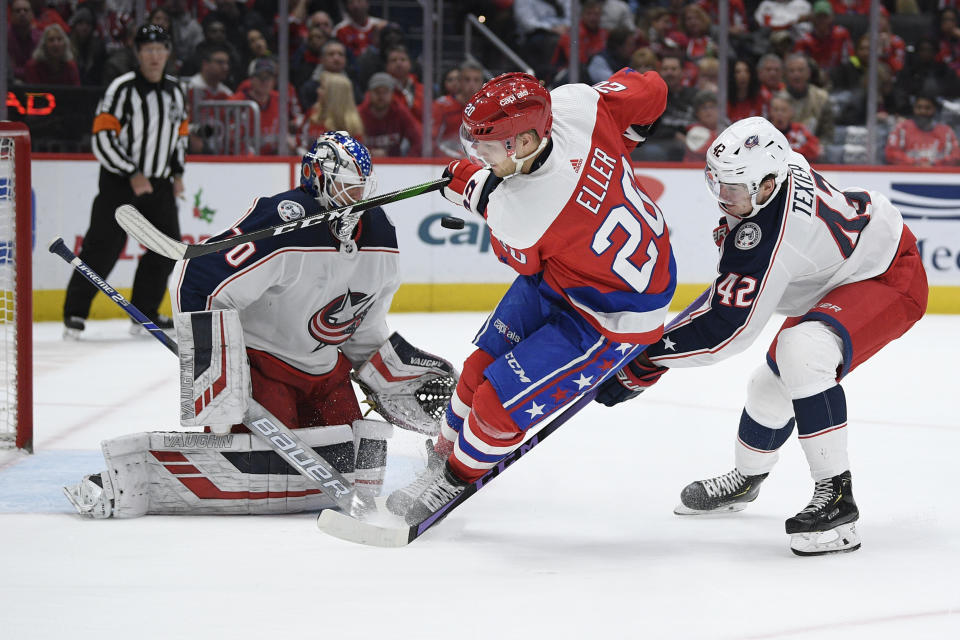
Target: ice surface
(575, 541)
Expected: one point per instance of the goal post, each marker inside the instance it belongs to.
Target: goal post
(16, 288)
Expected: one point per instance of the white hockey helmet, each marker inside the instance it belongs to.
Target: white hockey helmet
(740, 158)
(337, 171)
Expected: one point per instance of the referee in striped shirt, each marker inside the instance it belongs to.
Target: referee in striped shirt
(140, 139)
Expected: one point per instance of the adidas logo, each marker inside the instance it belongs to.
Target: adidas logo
(576, 164)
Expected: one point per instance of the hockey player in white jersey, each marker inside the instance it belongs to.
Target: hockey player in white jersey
(846, 271)
(284, 320)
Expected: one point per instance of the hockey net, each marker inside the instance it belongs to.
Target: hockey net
(16, 291)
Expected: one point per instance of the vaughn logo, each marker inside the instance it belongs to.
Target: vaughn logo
(919, 201)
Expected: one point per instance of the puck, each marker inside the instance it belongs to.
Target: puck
(451, 222)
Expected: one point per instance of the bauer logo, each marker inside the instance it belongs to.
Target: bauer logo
(919, 201)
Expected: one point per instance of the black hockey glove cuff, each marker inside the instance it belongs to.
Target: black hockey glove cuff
(636, 377)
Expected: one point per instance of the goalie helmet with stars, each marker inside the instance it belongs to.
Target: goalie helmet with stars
(337, 171)
(740, 158)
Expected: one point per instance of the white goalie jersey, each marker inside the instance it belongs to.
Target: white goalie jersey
(301, 296)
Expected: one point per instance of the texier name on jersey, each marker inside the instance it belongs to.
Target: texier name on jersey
(599, 172)
(803, 196)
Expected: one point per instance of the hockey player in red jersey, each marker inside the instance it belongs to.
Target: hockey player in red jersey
(551, 175)
(846, 271)
(283, 320)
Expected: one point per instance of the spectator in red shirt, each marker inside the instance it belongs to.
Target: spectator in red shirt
(448, 110)
(662, 35)
(745, 98)
(949, 33)
(389, 125)
(695, 24)
(208, 84)
(828, 44)
(893, 50)
(22, 36)
(920, 141)
(770, 75)
(355, 31)
(591, 39)
(260, 87)
(703, 131)
(801, 139)
(861, 7)
(52, 61)
(409, 90)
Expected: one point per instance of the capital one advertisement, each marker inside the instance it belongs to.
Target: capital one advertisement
(218, 193)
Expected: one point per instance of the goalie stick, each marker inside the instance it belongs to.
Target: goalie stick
(133, 222)
(344, 527)
(258, 419)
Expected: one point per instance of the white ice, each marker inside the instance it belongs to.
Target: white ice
(576, 540)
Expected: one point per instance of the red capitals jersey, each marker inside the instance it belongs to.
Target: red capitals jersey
(803, 141)
(911, 145)
(829, 51)
(581, 219)
(357, 37)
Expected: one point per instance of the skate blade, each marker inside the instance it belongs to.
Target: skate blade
(842, 539)
(683, 510)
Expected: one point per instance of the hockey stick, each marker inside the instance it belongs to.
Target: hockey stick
(258, 420)
(344, 527)
(133, 222)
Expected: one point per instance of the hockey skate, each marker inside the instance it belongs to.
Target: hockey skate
(73, 327)
(727, 493)
(92, 496)
(442, 487)
(400, 501)
(828, 523)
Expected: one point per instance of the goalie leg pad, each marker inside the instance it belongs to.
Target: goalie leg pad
(214, 374)
(370, 443)
(407, 386)
(206, 473)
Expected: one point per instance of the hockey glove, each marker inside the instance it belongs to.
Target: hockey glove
(636, 377)
(639, 133)
(468, 186)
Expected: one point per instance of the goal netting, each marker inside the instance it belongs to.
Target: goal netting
(16, 322)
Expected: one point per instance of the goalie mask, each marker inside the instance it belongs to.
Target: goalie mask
(739, 159)
(337, 171)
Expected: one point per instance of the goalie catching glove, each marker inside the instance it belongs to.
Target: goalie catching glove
(408, 387)
(633, 379)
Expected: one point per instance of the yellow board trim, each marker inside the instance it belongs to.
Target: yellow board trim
(48, 305)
